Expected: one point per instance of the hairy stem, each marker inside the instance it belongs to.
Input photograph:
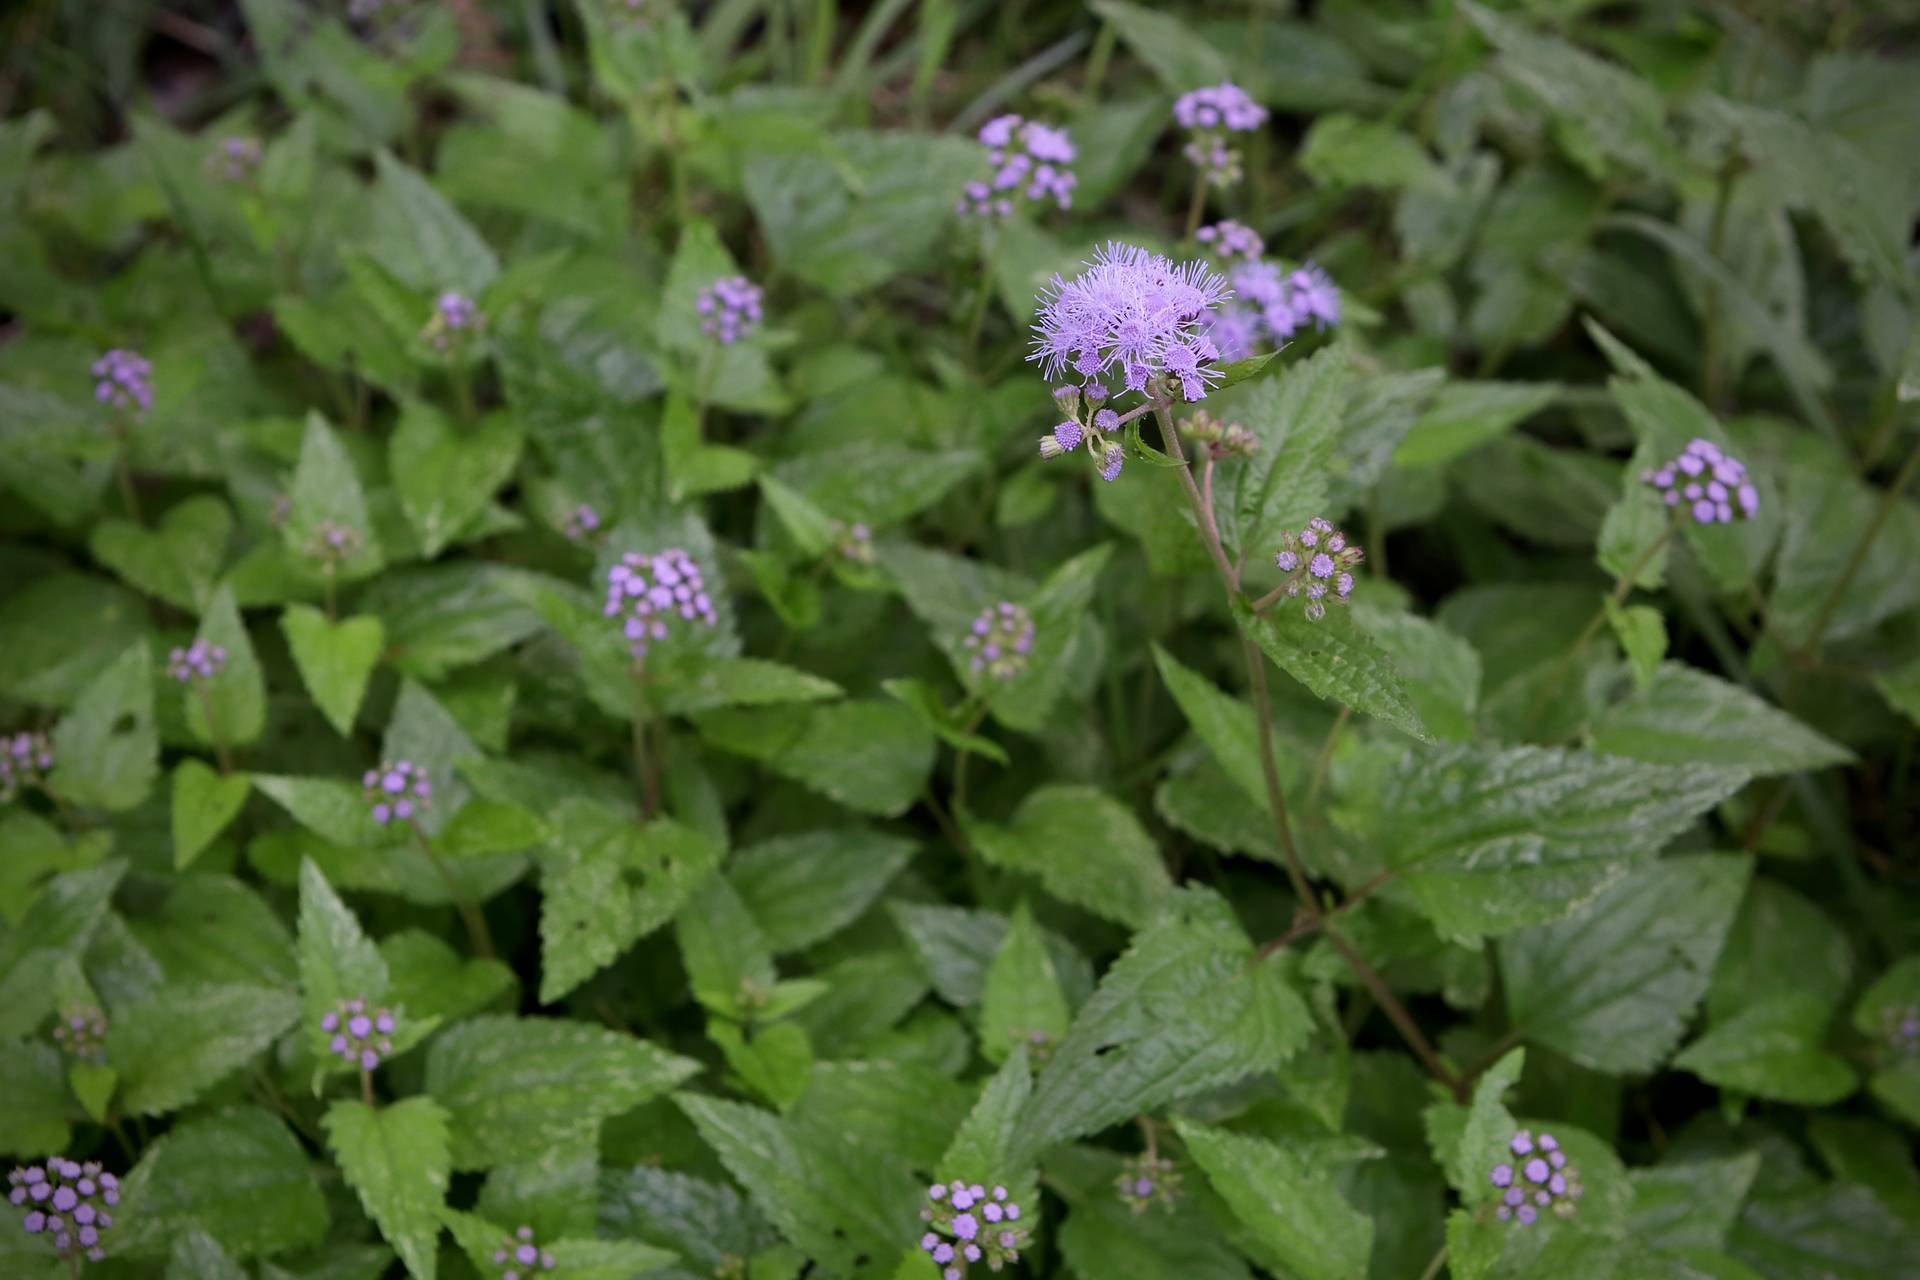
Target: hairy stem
(1615, 599)
(476, 923)
(1888, 501)
(646, 770)
(1196, 206)
(213, 727)
(366, 1086)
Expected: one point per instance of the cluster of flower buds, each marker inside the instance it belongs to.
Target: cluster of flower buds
(1900, 1025)
(519, 1257)
(581, 523)
(25, 761)
(969, 1224)
(999, 640)
(67, 1200)
(1029, 161)
(1220, 440)
(198, 660)
(1539, 1178)
(333, 545)
(729, 309)
(1098, 430)
(123, 380)
(1210, 114)
(82, 1033)
(1319, 563)
(650, 590)
(1709, 483)
(1231, 239)
(397, 790)
(455, 317)
(1147, 1179)
(853, 542)
(234, 159)
(361, 1037)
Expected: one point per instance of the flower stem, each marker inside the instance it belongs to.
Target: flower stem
(958, 802)
(646, 769)
(1196, 206)
(1615, 599)
(1888, 500)
(463, 393)
(213, 726)
(123, 471)
(476, 923)
(366, 1086)
(977, 317)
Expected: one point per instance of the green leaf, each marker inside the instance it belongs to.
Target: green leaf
(1181, 1012)
(775, 1062)
(1686, 715)
(1613, 987)
(1295, 419)
(515, 1088)
(1021, 1001)
(1085, 847)
(326, 491)
(1465, 415)
(422, 239)
(59, 632)
(53, 934)
(208, 928)
(106, 749)
(429, 979)
(1772, 1049)
(703, 682)
(34, 1121)
(931, 710)
(93, 1085)
(337, 959)
(484, 828)
(1642, 632)
(232, 706)
(198, 1256)
(332, 809)
(1828, 514)
(1468, 1141)
(1690, 1204)
(1441, 671)
(174, 1045)
(1170, 48)
(694, 468)
(238, 1175)
(446, 476)
(1901, 688)
(1488, 840)
(178, 561)
(204, 802)
(802, 889)
(985, 1147)
(1291, 1209)
(727, 959)
(334, 658)
(395, 1158)
(1780, 941)
(1345, 151)
(1334, 658)
(1224, 723)
(868, 755)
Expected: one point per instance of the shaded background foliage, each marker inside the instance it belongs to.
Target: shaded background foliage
(1610, 833)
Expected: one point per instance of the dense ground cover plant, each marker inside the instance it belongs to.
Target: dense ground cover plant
(555, 719)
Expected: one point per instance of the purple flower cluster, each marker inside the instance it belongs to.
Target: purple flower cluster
(361, 1037)
(1029, 161)
(198, 660)
(1539, 1178)
(235, 159)
(581, 523)
(397, 790)
(1147, 1179)
(67, 1200)
(1900, 1024)
(729, 309)
(650, 590)
(1319, 563)
(25, 761)
(333, 545)
(1712, 484)
(124, 380)
(1231, 239)
(999, 640)
(1223, 106)
(455, 317)
(853, 542)
(1273, 304)
(969, 1224)
(82, 1032)
(519, 1256)
(1135, 313)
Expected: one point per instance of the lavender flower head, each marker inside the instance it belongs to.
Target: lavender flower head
(333, 545)
(1319, 564)
(123, 380)
(1231, 239)
(1708, 483)
(519, 1256)
(853, 542)
(581, 523)
(455, 317)
(234, 159)
(1218, 163)
(1134, 313)
(82, 1032)
(397, 790)
(25, 761)
(1900, 1024)
(1223, 106)
(1146, 1180)
(729, 309)
(361, 1037)
(67, 1201)
(648, 591)
(1029, 162)
(1539, 1177)
(969, 1224)
(999, 640)
(198, 660)
(1286, 302)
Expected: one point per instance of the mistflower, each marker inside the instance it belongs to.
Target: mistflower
(1218, 163)
(25, 761)
(1539, 1178)
(1147, 1179)
(455, 317)
(1314, 297)
(853, 542)
(969, 1224)
(1220, 440)
(1134, 313)
(1711, 485)
(67, 1201)
(1318, 562)
(1231, 239)
(123, 380)
(361, 1037)
(1901, 1026)
(198, 660)
(999, 640)
(1224, 106)
(729, 309)
(1029, 162)
(397, 790)
(1282, 303)
(650, 590)
(581, 523)
(519, 1257)
(234, 159)
(82, 1032)
(333, 545)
